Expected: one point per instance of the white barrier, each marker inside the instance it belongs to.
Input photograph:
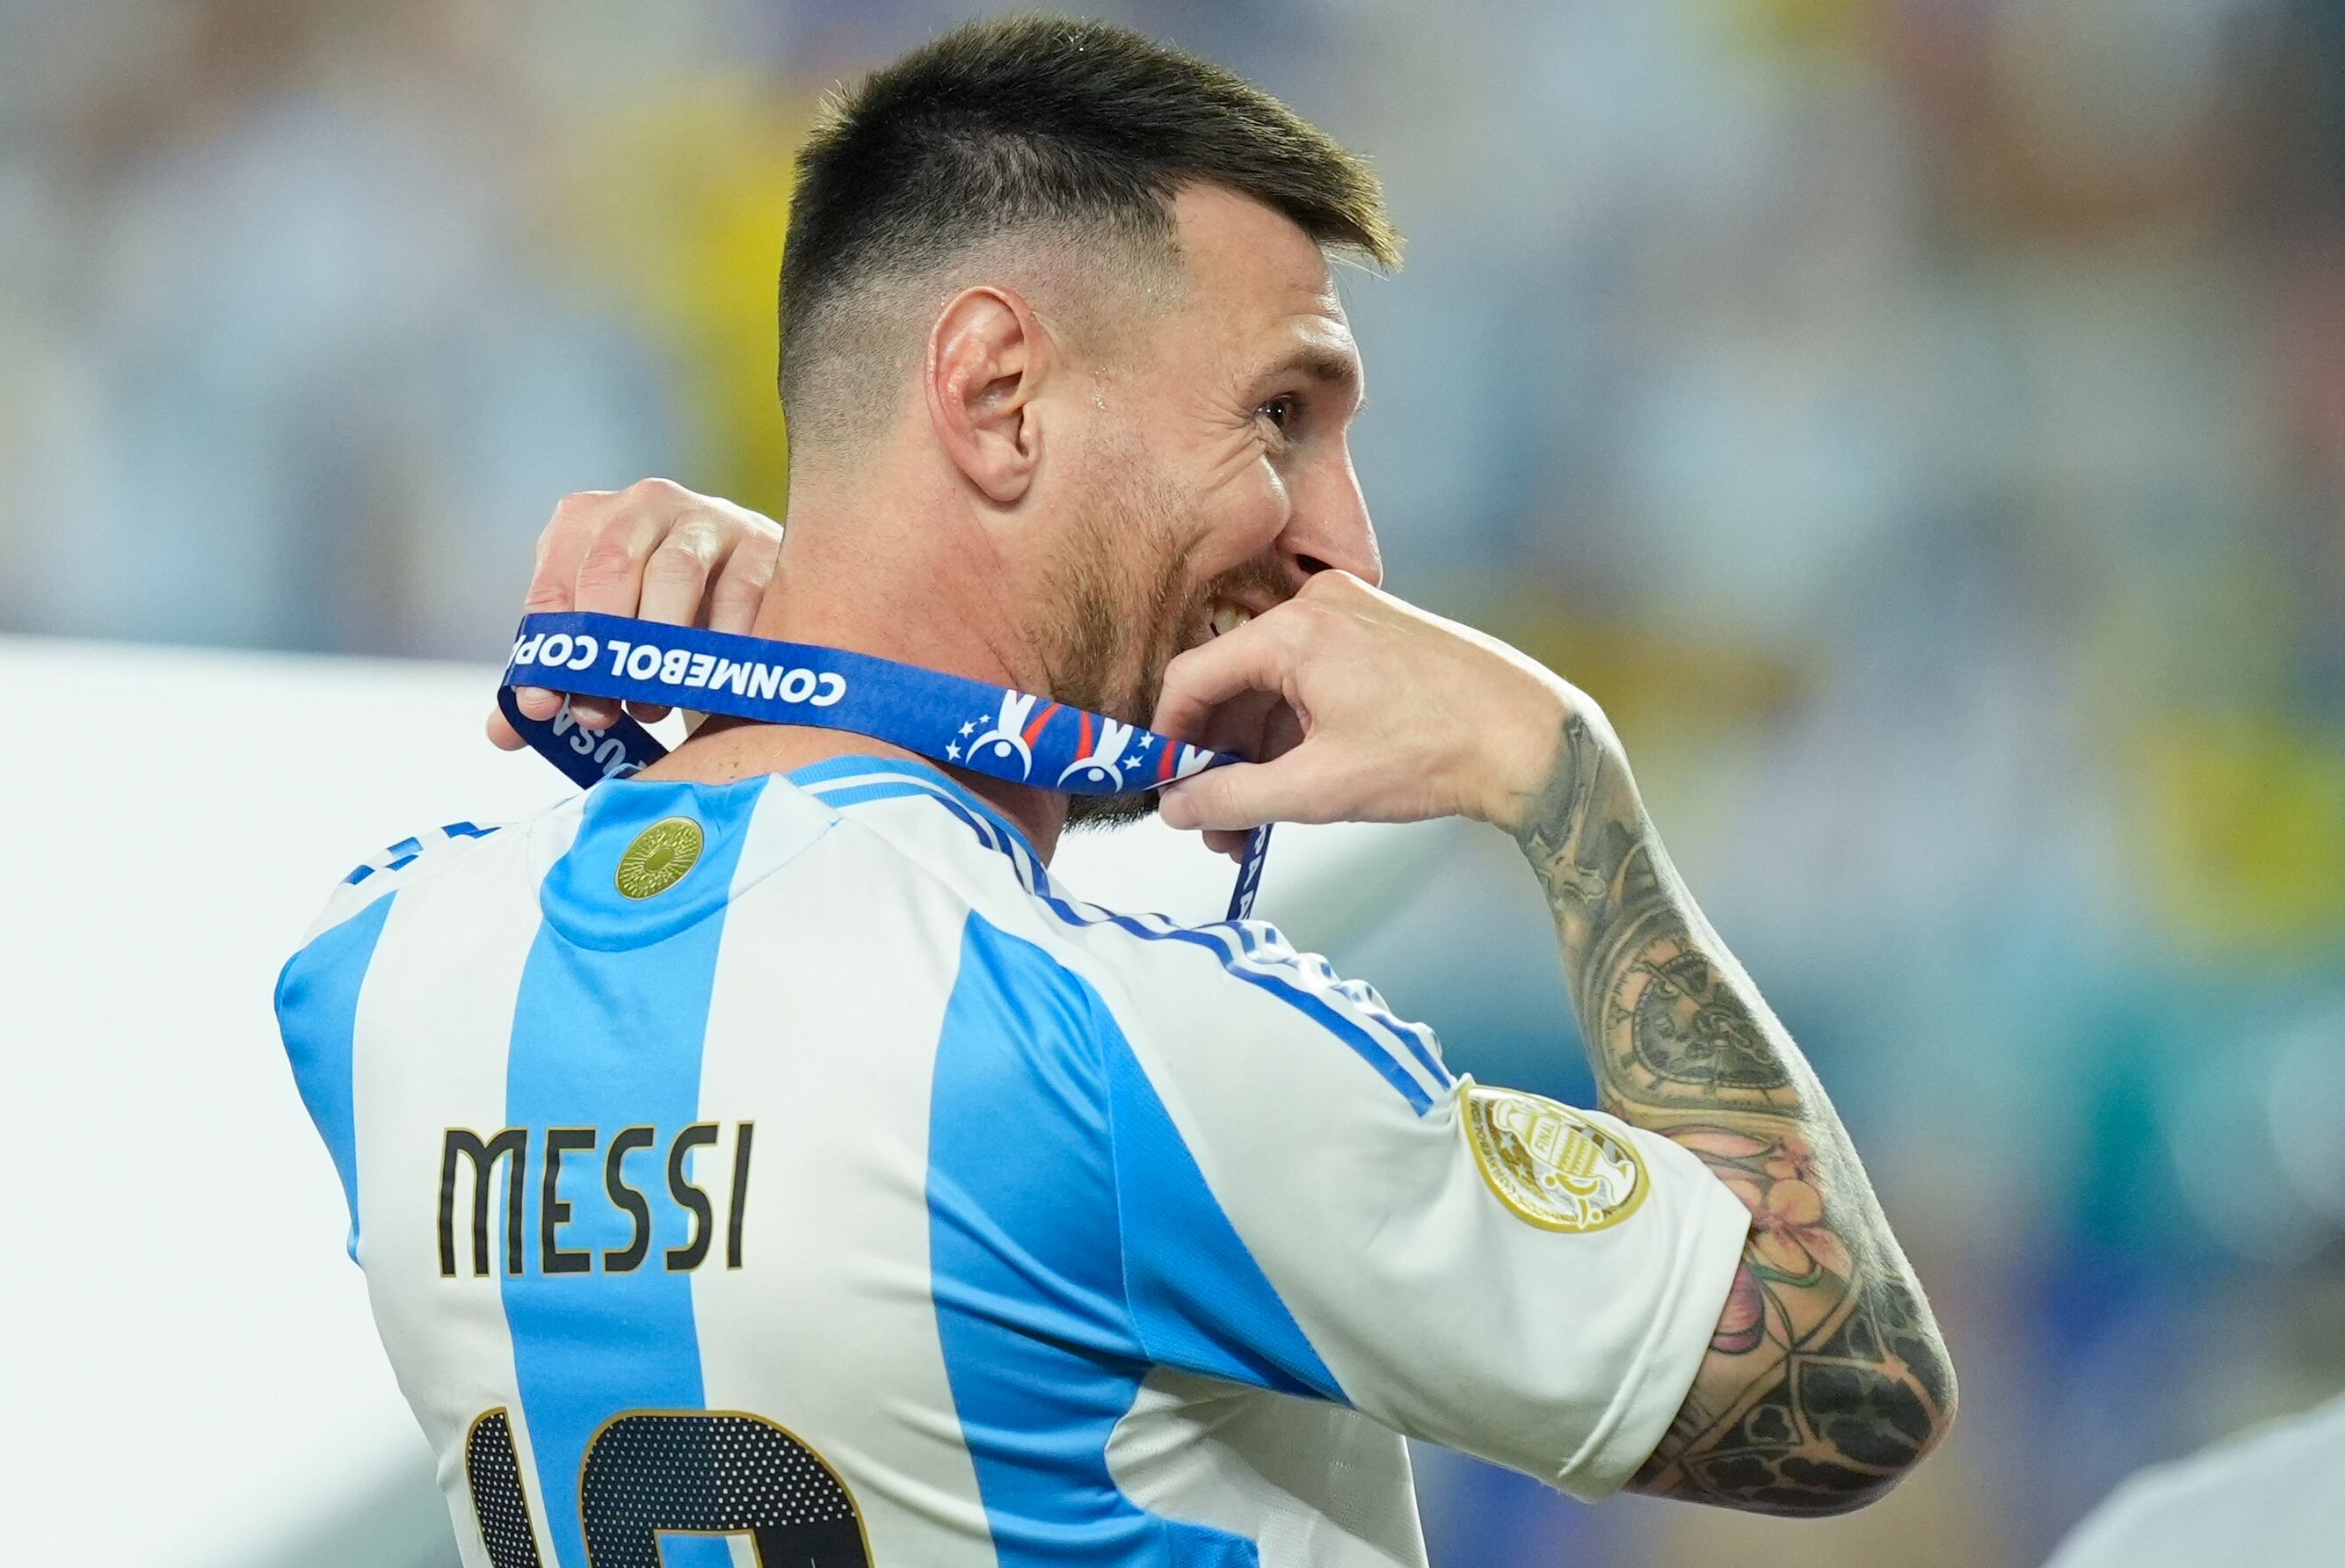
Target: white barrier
(189, 1370)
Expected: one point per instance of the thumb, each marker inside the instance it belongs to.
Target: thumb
(1293, 789)
(1218, 798)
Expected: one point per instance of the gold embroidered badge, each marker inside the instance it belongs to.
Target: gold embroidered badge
(660, 856)
(1554, 1166)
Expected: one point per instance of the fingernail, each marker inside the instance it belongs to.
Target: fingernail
(1177, 809)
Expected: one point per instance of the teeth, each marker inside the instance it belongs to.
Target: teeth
(1228, 619)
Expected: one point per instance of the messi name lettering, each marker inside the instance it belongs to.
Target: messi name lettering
(622, 1199)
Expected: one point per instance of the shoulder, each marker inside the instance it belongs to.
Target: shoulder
(318, 987)
(392, 867)
(1239, 982)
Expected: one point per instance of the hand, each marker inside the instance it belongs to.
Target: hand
(1401, 715)
(655, 550)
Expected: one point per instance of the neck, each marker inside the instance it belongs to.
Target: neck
(911, 595)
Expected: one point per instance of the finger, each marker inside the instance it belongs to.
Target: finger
(610, 582)
(742, 579)
(1228, 841)
(1238, 725)
(676, 574)
(1257, 656)
(1245, 795)
(1282, 733)
(535, 701)
(577, 520)
(1253, 727)
(734, 597)
(675, 581)
(560, 546)
(501, 734)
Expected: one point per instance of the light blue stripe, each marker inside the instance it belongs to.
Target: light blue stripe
(608, 1036)
(1035, 1229)
(850, 766)
(316, 1015)
(1198, 1299)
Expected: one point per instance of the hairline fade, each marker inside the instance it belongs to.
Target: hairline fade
(1083, 130)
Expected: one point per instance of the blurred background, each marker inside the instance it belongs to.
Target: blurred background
(1920, 422)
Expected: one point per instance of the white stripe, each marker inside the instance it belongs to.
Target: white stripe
(1312, 1485)
(434, 1031)
(986, 829)
(824, 1016)
(989, 832)
(351, 898)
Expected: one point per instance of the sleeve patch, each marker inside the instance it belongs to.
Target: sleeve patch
(1553, 1166)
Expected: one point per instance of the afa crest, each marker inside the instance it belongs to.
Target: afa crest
(659, 858)
(1556, 1167)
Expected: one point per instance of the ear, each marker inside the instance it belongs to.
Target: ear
(987, 357)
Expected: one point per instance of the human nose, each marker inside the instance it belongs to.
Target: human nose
(1330, 527)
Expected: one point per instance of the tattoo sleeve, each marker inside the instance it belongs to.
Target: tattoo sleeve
(1827, 1379)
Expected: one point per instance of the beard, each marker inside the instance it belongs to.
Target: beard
(1125, 612)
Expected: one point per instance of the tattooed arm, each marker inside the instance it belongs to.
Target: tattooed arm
(1826, 1381)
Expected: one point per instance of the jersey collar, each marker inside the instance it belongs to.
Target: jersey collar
(846, 780)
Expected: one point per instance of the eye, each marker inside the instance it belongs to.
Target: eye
(1283, 411)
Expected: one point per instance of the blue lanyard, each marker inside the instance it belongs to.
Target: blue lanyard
(1013, 736)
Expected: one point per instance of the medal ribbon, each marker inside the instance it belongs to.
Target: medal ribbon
(1002, 733)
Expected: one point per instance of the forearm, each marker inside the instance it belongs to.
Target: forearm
(1827, 1379)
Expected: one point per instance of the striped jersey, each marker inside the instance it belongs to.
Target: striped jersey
(788, 1172)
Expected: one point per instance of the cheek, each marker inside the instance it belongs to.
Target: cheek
(1245, 509)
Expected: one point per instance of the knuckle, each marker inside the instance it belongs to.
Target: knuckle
(677, 558)
(756, 572)
(656, 492)
(737, 595)
(578, 506)
(1334, 586)
(607, 560)
(1288, 633)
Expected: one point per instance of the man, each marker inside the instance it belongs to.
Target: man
(763, 1147)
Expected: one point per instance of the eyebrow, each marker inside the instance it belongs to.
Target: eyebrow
(1326, 365)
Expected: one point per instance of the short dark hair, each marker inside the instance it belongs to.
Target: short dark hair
(1031, 122)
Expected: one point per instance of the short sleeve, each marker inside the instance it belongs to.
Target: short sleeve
(1477, 1267)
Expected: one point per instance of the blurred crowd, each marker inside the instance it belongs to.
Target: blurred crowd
(1920, 422)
